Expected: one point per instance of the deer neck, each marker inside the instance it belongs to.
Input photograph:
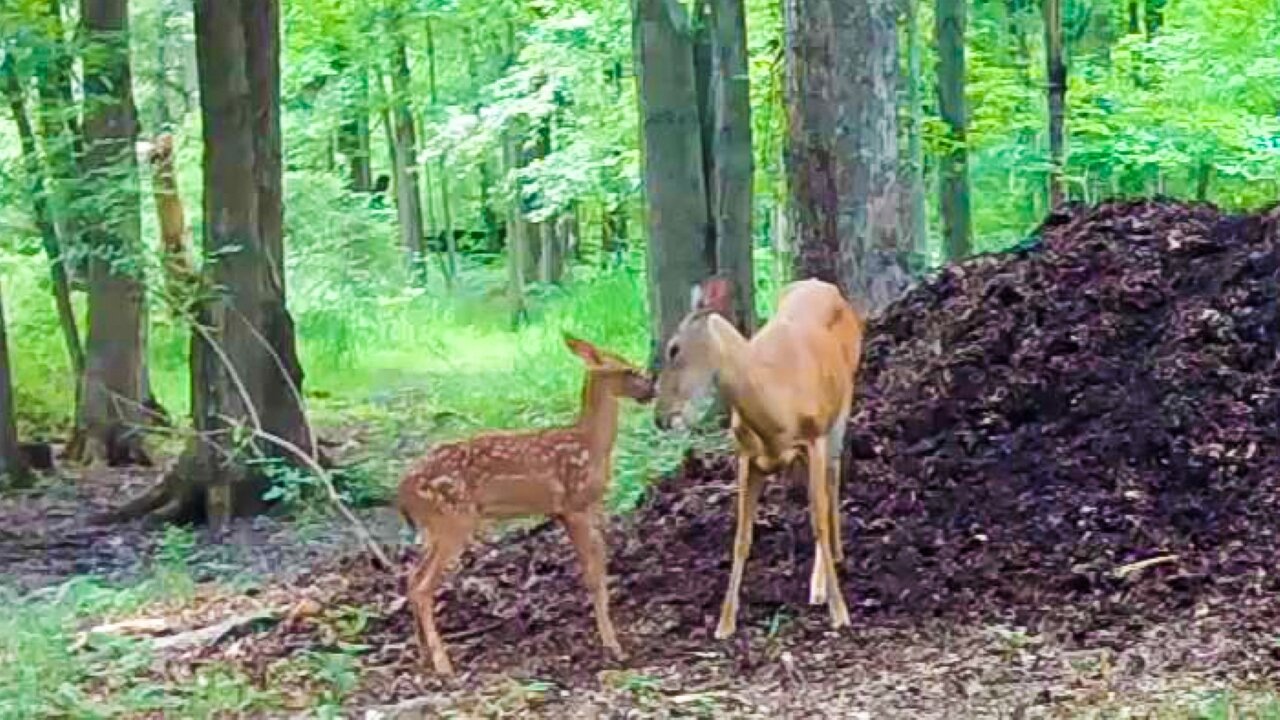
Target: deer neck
(737, 376)
(598, 419)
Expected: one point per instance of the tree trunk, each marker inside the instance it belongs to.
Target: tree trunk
(954, 171)
(446, 212)
(113, 407)
(915, 218)
(13, 468)
(60, 127)
(675, 188)
(353, 138)
(517, 228)
(408, 198)
(245, 379)
(488, 216)
(842, 163)
(703, 81)
(44, 221)
(180, 280)
(1057, 91)
(730, 183)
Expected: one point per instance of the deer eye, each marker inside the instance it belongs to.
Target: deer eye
(673, 351)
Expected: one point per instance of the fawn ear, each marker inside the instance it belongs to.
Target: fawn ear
(583, 349)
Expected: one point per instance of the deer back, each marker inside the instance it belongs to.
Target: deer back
(544, 472)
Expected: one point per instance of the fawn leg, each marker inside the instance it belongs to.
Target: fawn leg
(750, 483)
(414, 579)
(585, 533)
(820, 513)
(449, 544)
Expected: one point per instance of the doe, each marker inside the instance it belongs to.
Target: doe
(790, 388)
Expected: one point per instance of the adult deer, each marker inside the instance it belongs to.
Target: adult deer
(790, 389)
(560, 472)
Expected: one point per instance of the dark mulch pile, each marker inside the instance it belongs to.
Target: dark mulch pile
(1026, 425)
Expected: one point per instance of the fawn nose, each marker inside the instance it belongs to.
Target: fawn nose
(661, 420)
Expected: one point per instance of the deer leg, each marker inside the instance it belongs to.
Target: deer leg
(818, 577)
(584, 531)
(750, 483)
(820, 512)
(448, 545)
(835, 452)
(415, 578)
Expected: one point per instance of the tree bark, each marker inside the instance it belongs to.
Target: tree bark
(245, 379)
(405, 153)
(517, 228)
(915, 217)
(13, 467)
(675, 187)
(1056, 69)
(114, 390)
(843, 154)
(63, 145)
(953, 174)
(353, 138)
(704, 80)
(44, 221)
(730, 184)
(181, 285)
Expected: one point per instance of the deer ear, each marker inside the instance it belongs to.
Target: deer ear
(716, 294)
(695, 297)
(583, 349)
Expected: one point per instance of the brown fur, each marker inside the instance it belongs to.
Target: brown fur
(561, 472)
(790, 389)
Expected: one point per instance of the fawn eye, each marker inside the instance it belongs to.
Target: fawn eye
(673, 351)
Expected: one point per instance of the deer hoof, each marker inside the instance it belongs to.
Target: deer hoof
(442, 665)
(840, 617)
(726, 628)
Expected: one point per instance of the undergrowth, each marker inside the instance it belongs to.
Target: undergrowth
(51, 667)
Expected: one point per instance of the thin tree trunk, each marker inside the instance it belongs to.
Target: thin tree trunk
(730, 183)
(843, 164)
(675, 187)
(915, 215)
(63, 142)
(353, 138)
(516, 230)
(44, 222)
(446, 212)
(954, 172)
(703, 78)
(13, 467)
(114, 390)
(408, 199)
(1056, 69)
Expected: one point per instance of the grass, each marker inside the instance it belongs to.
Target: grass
(47, 670)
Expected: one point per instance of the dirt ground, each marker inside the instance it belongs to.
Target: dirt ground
(524, 642)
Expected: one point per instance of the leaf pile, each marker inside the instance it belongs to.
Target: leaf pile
(1028, 427)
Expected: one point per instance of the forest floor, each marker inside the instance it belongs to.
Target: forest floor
(1062, 500)
(303, 623)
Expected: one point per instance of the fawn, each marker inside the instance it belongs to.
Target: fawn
(561, 473)
(790, 388)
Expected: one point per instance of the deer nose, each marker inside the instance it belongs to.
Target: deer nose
(661, 421)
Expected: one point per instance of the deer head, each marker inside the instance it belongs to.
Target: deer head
(620, 378)
(690, 358)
